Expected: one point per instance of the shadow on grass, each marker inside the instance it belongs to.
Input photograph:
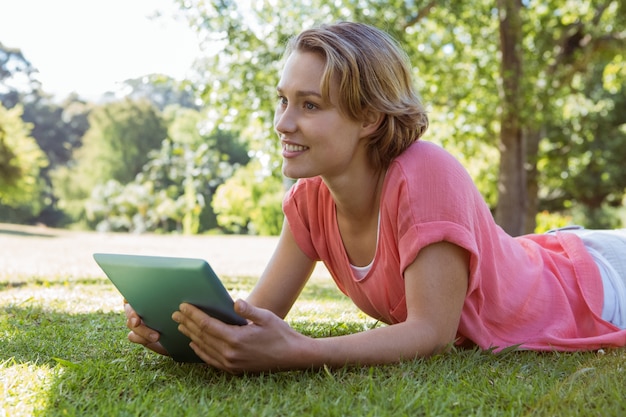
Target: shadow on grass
(97, 372)
(37, 335)
(91, 359)
(24, 233)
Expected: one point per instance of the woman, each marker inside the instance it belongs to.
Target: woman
(403, 231)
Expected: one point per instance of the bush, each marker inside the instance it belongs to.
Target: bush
(250, 202)
(548, 221)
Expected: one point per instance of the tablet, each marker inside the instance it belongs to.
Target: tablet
(155, 286)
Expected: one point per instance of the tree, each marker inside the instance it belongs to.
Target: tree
(20, 184)
(9, 171)
(15, 72)
(17, 76)
(116, 147)
(173, 190)
(568, 38)
(192, 164)
(120, 136)
(58, 127)
(249, 202)
(240, 92)
(475, 87)
(571, 40)
(162, 91)
(587, 151)
(512, 184)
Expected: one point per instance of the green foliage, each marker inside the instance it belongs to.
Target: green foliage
(120, 136)
(455, 70)
(21, 187)
(614, 74)
(584, 161)
(133, 207)
(250, 202)
(171, 191)
(571, 90)
(576, 43)
(9, 172)
(116, 147)
(58, 128)
(548, 221)
(604, 217)
(244, 61)
(184, 125)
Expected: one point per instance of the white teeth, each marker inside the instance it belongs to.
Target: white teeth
(294, 148)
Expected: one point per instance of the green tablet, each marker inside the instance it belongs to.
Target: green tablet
(155, 286)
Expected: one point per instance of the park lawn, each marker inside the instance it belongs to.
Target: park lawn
(63, 352)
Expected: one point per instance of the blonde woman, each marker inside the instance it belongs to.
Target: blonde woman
(402, 229)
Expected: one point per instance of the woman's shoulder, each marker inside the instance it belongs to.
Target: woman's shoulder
(425, 152)
(428, 183)
(428, 161)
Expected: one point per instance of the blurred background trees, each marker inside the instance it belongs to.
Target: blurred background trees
(530, 97)
(22, 164)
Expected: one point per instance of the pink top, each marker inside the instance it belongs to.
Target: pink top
(542, 292)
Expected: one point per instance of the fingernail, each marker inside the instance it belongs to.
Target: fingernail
(153, 337)
(134, 322)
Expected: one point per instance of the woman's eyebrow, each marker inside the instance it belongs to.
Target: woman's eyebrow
(302, 93)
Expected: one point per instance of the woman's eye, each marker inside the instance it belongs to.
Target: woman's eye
(310, 106)
(282, 101)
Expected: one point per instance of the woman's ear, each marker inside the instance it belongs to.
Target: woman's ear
(372, 121)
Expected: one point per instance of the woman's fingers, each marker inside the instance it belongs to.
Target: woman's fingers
(140, 333)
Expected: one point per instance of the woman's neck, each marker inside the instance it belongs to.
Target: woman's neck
(358, 197)
(357, 206)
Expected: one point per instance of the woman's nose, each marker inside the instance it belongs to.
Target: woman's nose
(284, 121)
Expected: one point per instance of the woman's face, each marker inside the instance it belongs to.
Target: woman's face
(316, 137)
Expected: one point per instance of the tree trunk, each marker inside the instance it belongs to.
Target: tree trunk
(511, 210)
(533, 136)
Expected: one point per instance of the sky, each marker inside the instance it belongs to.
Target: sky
(88, 46)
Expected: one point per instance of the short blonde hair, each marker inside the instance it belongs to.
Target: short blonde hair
(373, 74)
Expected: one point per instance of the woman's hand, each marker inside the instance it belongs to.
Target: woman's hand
(140, 333)
(266, 343)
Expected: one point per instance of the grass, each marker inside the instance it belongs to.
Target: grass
(63, 352)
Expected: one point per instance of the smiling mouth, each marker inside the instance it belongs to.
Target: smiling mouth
(294, 148)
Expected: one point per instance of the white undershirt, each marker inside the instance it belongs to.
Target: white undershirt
(361, 271)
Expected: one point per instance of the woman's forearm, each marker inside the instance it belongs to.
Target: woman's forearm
(384, 345)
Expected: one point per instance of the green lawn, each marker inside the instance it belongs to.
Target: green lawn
(63, 352)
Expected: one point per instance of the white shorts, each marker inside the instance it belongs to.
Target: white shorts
(608, 249)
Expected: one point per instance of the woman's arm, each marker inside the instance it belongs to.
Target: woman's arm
(284, 276)
(436, 284)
